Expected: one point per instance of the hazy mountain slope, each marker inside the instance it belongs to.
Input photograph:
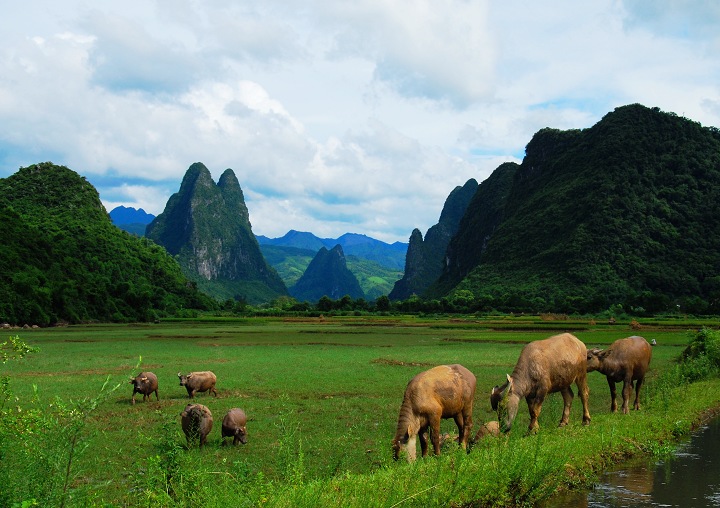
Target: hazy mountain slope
(389, 255)
(425, 258)
(327, 275)
(131, 219)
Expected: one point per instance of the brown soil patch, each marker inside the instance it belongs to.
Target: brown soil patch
(399, 363)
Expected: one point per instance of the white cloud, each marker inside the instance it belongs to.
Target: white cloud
(335, 116)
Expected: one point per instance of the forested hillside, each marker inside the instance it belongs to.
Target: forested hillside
(61, 259)
(626, 212)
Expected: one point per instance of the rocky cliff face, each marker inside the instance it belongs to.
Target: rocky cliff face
(327, 275)
(207, 227)
(425, 258)
(484, 213)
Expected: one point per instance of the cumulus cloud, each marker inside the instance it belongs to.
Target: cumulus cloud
(335, 116)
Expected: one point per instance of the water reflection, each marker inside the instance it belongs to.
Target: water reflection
(689, 479)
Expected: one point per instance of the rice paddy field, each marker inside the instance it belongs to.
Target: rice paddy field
(322, 396)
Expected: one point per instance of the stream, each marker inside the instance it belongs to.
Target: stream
(689, 478)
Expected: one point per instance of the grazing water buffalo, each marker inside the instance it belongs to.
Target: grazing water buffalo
(145, 383)
(197, 422)
(446, 391)
(545, 366)
(198, 382)
(234, 425)
(626, 360)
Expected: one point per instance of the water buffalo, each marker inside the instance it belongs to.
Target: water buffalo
(197, 422)
(198, 382)
(234, 425)
(626, 360)
(545, 366)
(145, 383)
(446, 391)
(488, 429)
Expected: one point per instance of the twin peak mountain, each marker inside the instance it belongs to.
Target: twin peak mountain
(206, 227)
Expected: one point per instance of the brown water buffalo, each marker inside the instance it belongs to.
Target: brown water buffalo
(198, 382)
(626, 360)
(488, 429)
(446, 391)
(145, 383)
(197, 422)
(545, 366)
(235, 425)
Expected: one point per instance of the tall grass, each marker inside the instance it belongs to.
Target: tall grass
(321, 422)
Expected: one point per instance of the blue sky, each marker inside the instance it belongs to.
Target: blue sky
(335, 116)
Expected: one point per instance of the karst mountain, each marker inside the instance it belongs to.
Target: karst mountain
(206, 226)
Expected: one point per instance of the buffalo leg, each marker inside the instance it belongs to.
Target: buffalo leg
(584, 393)
(638, 384)
(567, 395)
(464, 426)
(435, 436)
(534, 406)
(423, 441)
(613, 395)
(627, 391)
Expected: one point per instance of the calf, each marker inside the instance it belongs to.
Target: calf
(145, 383)
(198, 382)
(234, 425)
(626, 360)
(197, 422)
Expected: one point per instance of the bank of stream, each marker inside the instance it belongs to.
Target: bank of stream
(688, 478)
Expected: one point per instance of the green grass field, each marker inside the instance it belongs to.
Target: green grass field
(322, 396)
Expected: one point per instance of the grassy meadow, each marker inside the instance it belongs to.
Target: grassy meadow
(322, 396)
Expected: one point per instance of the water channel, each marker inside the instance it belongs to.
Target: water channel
(690, 478)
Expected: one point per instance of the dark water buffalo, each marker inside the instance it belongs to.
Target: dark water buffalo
(145, 383)
(198, 382)
(197, 422)
(446, 391)
(235, 425)
(545, 366)
(626, 360)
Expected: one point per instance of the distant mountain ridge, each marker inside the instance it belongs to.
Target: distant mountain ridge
(131, 219)
(353, 244)
(129, 215)
(291, 262)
